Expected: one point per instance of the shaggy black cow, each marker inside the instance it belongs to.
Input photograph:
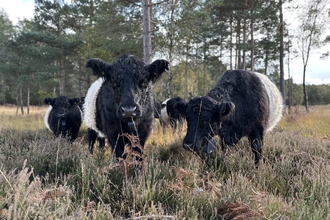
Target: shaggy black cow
(241, 104)
(169, 114)
(63, 117)
(121, 100)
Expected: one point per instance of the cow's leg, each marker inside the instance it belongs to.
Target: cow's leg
(101, 143)
(256, 142)
(92, 135)
(144, 129)
(117, 144)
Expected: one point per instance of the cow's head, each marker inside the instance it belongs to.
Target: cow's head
(129, 81)
(204, 117)
(61, 105)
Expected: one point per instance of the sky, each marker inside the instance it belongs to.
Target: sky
(318, 71)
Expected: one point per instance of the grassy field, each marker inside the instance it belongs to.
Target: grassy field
(46, 178)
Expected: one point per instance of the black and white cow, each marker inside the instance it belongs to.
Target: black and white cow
(241, 104)
(121, 100)
(63, 116)
(169, 114)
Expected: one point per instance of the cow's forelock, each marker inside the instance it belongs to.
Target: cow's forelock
(131, 88)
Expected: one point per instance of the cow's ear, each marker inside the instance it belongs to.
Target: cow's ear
(223, 110)
(181, 106)
(157, 68)
(49, 101)
(100, 68)
(74, 101)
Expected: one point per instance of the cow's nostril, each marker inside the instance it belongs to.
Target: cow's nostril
(128, 112)
(61, 115)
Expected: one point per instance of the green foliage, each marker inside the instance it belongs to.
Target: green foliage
(200, 38)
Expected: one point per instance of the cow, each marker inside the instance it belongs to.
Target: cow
(242, 103)
(63, 116)
(169, 114)
(121, 100)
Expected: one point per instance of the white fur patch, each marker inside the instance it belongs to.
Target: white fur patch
(163, 112)
(47, 116)
(275, 101)
(89, 107)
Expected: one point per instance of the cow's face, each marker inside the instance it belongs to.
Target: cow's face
(204, 118)
(129, 81)
(61, 105)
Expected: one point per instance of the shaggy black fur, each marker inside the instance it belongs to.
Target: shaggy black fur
(237, 106)
(65, 117)
(126, 98)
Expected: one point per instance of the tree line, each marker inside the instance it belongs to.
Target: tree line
(45, 56)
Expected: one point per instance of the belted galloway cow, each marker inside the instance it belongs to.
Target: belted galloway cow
(241, 104)
(63, 116)
(121, 100)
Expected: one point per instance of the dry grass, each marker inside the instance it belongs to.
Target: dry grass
(314, 124)
(33, 121)
(43, 178)
(11, 110)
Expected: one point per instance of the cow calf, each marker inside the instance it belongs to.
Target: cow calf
(63, 117)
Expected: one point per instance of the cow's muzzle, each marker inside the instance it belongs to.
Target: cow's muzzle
(129, 112)
(206, 145)
(61, 115)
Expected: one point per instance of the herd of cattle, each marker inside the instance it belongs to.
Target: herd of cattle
(121, 102)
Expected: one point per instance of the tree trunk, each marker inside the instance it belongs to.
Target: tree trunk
(146, 32)
(238, 44)
(17, 103)
(282, 83)
(305, 90)
(266, 60)
(169, 73)
(231, 43)
(28, 99)
(21, 99)
(290, 82)
(252, 37)
(186, 74)
(62, 82)
(244, 44)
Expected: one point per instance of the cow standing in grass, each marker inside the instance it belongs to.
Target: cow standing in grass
(121, 100)
(241, 104)
(63, 117)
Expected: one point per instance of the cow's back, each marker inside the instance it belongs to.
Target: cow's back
(247, 92)
(275, 101)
